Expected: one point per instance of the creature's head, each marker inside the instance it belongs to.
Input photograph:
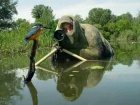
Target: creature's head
(69, 26)
(69, 34)
(39, 25)
(69, 91)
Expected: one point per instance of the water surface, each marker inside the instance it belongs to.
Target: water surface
(105, 82)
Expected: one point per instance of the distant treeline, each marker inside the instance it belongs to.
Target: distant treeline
(114, 28)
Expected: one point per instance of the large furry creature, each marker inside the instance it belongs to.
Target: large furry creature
(83, 39)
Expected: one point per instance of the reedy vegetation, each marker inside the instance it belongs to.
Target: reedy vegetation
(114, 28)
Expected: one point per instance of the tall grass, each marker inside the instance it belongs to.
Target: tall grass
(13, 41)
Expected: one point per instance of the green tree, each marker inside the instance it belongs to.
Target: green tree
(44, 15)
(37, 11)
(113, 18)
(79, 18)
(127, 16)
(99, 16)
(123, 25)
(7, 10)
(111, 28)
(136, 26)
(136, 23)
(23, 24)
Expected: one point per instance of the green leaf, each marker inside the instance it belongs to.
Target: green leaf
(96, 67)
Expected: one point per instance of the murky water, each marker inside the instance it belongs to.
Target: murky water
(105, 82)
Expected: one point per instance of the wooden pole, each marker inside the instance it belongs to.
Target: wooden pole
(74, 55)
(32, 69)
(45, 57)
(64, 50)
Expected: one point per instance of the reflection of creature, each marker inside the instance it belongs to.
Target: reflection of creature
(96, 71)
(73, 77)
(82, 39)
(71, 82)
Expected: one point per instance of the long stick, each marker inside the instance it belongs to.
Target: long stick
(64, 50)
(32, 69)
(45, 57)
(74, 55)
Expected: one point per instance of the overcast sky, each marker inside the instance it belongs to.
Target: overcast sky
(81, 7)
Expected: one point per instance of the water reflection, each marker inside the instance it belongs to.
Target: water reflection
(126, 52)
(33, 93)
(73, 77)
(71, 83)
(117, 78)
(9, 86)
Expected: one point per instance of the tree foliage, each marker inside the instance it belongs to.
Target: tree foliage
(79, 18)
(43, 14)
(37, 11)
(127, 16)
(99, 16)
(113, 27)
(123, 25)
(7, 10)
(20, 23)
